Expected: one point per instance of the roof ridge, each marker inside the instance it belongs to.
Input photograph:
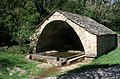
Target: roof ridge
(87, 23)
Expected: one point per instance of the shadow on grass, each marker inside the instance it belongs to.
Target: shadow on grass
(4, 63)
(7, 63)
(93, 72)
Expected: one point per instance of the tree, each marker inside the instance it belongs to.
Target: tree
(19, 18)
(103, 12)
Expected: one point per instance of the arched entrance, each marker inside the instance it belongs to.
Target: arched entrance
(60, 36)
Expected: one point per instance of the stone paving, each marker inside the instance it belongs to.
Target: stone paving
(94, 73)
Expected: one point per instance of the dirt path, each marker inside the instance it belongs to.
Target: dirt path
(50, 69)
(48, 72)
(76, 65)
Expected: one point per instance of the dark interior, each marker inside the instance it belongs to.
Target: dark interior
(60, 36)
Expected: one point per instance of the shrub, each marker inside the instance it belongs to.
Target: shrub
(22, 49)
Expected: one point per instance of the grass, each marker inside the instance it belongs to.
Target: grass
(112, 57)
(8, 61)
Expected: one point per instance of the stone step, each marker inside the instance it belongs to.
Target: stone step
(82, 53)
(73, 59)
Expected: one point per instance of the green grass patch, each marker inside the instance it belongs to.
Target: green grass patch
(112, 57)
(10, 61)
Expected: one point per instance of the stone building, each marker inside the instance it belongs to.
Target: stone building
(63, 31)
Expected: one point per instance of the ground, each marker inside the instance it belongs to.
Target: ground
(15, 66)
(104, 67)
(108, 72)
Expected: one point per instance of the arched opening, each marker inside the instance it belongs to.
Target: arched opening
(60, 36)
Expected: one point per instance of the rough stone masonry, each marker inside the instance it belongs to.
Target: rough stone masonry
(64, 31)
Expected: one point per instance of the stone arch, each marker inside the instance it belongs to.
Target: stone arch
(60, 36)
(89, 32)
(87, 39)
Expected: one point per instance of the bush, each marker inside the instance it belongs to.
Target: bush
(23, 49)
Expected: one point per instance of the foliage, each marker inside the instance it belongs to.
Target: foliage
(21, 49)
(102, 11)
(19, 18)
(28, 18)
(66, 5)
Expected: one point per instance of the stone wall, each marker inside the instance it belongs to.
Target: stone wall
(106, 43)
(63, 34)
(88, 40)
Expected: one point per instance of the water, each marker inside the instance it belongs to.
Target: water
(62, 54)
